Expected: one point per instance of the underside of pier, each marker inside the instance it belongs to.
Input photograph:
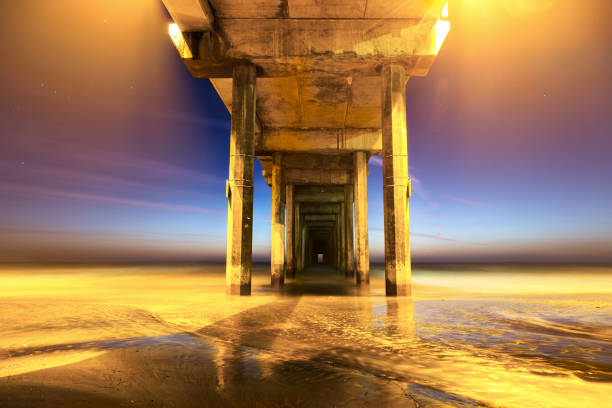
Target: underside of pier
(315, 88)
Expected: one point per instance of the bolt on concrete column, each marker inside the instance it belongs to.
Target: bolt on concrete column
(290, 228)
(239, 188)
(396, 184)
(277, 250)
(362, 250)
(348, 223)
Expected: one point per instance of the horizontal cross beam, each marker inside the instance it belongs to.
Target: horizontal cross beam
(321, 140)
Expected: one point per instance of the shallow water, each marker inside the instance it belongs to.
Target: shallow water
(471, 335)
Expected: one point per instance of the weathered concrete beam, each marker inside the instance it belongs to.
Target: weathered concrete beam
(323, 197)
(250, 38)
(317, 161)
(324, 140)
(321, 227)
(320, 217)
(217, 66)
(312, 176)
(327, 208)
(318, 189)
(191, 15)
(319, 194)
(351, 47)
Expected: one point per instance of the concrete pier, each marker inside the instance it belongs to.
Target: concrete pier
(330, 95)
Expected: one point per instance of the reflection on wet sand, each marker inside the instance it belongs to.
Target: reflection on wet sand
(159, 337)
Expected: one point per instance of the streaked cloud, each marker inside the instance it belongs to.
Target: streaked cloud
(437, 236)
(44, 192)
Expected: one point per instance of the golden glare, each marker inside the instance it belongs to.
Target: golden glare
(445, 11)
(441, 30)
(523, 8)
(179, 42)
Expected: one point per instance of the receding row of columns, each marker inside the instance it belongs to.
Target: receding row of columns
(332, 235)
(320, 227)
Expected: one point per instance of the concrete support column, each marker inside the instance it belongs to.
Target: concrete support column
(362, 250)
(342, 222)
(305, 255)
(303, 244)
(290, 228)
(239, 188)
(339, 253)
(277, 249)
(298, 239)
(396, 184)
(348, 225)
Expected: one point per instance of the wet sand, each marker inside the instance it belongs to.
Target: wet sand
(142, 336)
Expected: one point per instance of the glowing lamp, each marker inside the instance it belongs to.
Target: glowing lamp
(444, 11)
(179, 42)
(441, 29)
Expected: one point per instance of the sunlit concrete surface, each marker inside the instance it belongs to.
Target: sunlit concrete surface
(169, 336)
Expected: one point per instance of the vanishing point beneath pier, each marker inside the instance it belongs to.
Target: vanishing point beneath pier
(314, 88)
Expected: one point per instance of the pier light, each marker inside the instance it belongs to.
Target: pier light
(441, 28)
(179, 42)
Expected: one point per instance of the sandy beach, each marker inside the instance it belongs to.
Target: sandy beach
(168, 336)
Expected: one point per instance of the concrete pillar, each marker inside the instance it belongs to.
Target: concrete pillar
(305, 255)
(239, 188)
(362, 250)
(348, 225)
(303, 243)
(277, 249)
(298, 239)
(290, 228)
(339, 253)
(396, 184)
(342, 225)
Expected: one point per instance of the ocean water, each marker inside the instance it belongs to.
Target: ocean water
(168, 336)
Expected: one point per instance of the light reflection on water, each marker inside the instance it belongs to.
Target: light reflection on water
(528, 336)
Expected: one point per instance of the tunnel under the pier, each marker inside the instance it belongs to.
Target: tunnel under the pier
(316, 193)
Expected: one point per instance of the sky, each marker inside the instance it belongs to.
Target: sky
(111, 151)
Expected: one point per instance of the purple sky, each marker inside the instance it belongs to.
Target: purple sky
(111, 151)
